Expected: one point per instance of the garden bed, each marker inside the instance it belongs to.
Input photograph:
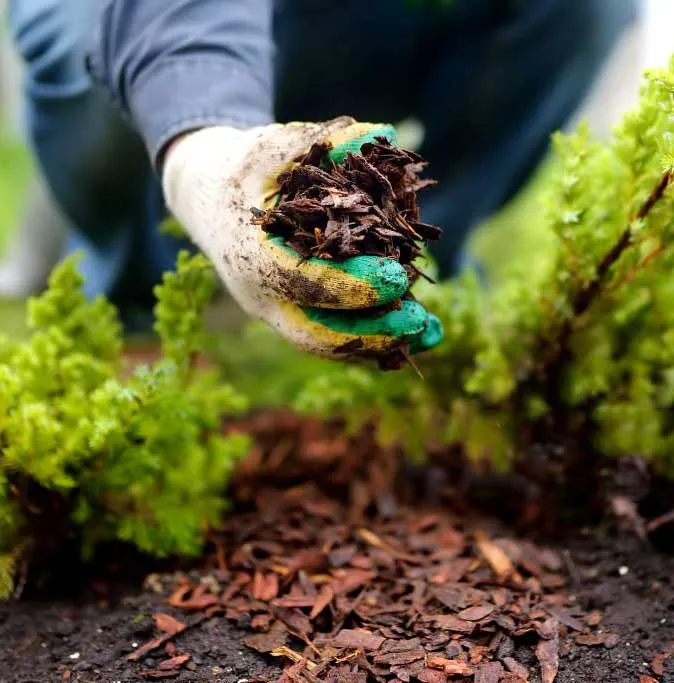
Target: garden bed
(320, 548)
(90, 641)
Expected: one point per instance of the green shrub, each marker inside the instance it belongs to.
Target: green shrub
(576, 342)
(89, 454)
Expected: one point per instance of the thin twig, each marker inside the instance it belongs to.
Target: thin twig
(660, 521)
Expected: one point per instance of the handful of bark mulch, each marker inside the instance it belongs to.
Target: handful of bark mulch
(365, 206)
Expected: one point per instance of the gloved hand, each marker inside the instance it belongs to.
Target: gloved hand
(212, 178)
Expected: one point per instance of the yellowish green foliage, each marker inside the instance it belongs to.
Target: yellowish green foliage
(82, 448)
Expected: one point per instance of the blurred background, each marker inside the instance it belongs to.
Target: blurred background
(24, 199)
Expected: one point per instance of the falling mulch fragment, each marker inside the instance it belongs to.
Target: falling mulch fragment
(150, 645)
(364, 206)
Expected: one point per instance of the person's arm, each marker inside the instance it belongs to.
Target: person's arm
(195, 78)
(177, 65)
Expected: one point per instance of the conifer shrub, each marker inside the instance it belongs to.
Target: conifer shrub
(90, 456)
(575, 346)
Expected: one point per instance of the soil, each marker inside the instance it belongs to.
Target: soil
(88, 641)
(345, 575)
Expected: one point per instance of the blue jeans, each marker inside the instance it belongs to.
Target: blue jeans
(489, 81)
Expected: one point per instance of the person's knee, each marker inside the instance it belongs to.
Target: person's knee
(49, 37)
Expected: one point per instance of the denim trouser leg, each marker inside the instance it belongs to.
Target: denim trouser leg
(95, 164)
(529, 78)
(489, 80)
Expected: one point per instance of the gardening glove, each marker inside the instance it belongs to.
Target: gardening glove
(212, 178)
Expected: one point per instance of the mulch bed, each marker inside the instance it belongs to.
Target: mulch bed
(324, 575)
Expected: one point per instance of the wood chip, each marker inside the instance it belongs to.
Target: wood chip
(499, 562)
(658, 662)
(400, 658)
(168, 624)
(509, 677)
(432, 676)
(174, 663)
(323, 599)
(358, 639)
(452, 667)
(515, 667)
(293, 656)
(267, 642)
(451, 623)
(476, 613)
(593, 639)
(547, 653)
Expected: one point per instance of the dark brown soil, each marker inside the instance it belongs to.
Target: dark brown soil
(90, 643)
(631, 588)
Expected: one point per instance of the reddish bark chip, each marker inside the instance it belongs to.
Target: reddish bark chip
(476, 613)
(515, 667)
(168, 624)
(432, 676)
(658, 663)
(452, 623)
(174, 663)
(547, 653)
(499, 562)
(358, 639)
(452, 667)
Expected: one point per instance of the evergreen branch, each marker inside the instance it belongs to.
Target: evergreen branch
(586, 296)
